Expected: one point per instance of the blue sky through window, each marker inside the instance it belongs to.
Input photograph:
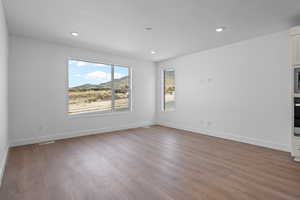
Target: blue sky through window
(81, 73)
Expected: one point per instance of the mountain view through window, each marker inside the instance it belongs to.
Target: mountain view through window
(98, 87)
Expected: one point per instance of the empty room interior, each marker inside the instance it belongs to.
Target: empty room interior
(149, 100)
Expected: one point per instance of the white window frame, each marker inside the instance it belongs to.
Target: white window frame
(163, 89)
(99, 112)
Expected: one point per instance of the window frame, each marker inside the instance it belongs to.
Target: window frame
(163, 88)
(112, 111)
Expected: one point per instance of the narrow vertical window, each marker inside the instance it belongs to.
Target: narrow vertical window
(169, 89)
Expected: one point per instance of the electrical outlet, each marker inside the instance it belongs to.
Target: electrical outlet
(209, 123)
(41, 128)
(201, 122)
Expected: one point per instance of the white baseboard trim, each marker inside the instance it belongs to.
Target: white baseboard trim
(59, 136)
(237, 138)
(3, 159)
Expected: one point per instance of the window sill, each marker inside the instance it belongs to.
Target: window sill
(98, 114)
(169, 111)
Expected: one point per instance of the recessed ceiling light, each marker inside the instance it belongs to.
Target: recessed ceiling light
(220, 29)
(75, 34)
(148, 28)
(153, 52)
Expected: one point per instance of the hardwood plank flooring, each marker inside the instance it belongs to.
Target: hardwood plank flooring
(155, 163)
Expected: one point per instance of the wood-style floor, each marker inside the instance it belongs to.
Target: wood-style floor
(149, 164)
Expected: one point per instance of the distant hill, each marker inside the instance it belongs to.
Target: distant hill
(119, 83)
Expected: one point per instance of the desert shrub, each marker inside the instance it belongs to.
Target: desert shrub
(170, 89)
(88, 96)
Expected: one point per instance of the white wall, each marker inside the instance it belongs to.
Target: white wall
(240, 92)
(37, 93)
(3, 90)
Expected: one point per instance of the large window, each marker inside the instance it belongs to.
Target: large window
(95, 87)
(169, 89)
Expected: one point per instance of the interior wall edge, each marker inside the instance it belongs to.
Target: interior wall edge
(3, 156)
(3, 90)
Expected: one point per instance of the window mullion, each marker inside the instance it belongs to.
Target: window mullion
(113, 87)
